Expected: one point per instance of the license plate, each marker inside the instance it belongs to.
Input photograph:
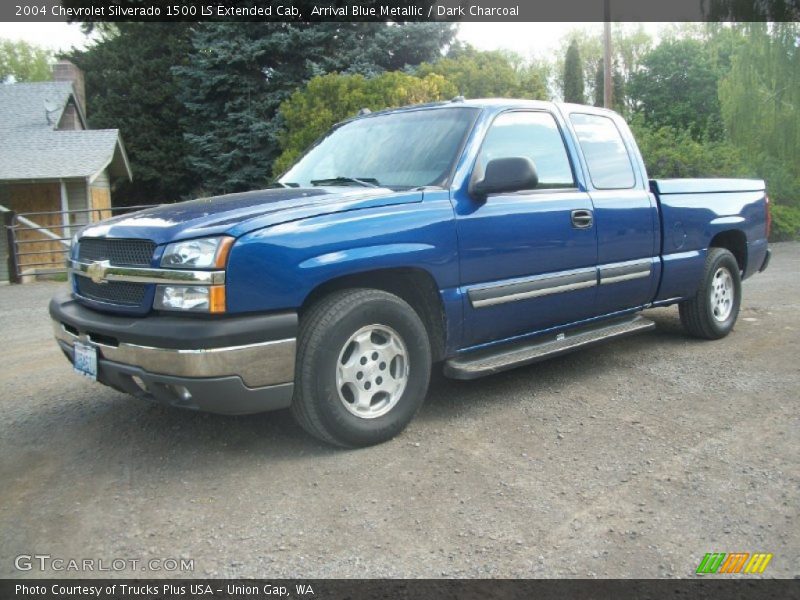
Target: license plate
(85, 362)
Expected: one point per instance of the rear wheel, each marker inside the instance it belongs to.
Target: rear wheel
(363, 366)
(712, 312)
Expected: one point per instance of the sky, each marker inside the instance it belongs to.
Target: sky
(55, 36)
(527, 39)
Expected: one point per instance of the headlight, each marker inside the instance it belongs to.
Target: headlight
(73, 248)
(196, 298)
(202, 253)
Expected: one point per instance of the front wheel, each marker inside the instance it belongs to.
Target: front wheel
(712, 312)
(363, 366)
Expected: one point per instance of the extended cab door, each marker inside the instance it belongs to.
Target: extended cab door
(625, 212)
(528, 258)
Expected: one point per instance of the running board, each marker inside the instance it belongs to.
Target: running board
(494, 360)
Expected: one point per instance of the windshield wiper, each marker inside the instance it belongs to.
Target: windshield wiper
(370, 182)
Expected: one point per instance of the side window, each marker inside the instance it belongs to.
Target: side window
(534, 135)
(609, 164)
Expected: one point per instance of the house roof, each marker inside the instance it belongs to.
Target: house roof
(33, 147)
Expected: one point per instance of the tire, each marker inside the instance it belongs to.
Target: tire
(712, 312)
(363, 368)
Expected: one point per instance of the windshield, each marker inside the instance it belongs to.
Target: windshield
(398, 150)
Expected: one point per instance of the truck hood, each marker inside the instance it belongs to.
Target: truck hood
(237, 214)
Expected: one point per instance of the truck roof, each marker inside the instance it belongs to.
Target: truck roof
(482, 103)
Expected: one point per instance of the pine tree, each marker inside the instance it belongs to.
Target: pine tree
(573, 75)
(599, 84)
(618, 87)
(238, 74)
(130, 86)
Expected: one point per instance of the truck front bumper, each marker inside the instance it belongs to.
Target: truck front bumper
(232, 365)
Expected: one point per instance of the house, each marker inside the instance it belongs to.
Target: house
(51, 163)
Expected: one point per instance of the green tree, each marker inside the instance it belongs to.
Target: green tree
(23, 62)
(238, 74)
(328, 99)
(482, 74)
(677, 87)
(573, 74)
(130, 86)
(670, 152)
(618, 86)
(760, 94)
(629, 45)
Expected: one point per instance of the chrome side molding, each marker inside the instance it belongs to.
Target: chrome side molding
(533, 287)
(625, 271)
(555, 283)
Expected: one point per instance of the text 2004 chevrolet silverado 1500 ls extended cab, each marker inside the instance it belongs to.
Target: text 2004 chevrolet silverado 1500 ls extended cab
(478, 234)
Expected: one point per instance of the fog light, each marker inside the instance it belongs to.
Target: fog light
(140, 384)
(191, 298)
(181, 392)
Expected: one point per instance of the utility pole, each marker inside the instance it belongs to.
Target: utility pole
(607, 84)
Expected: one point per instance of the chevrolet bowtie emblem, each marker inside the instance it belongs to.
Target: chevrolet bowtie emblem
(97, 271)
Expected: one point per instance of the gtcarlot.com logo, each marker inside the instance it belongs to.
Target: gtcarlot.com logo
(734, 562)
(47, 562)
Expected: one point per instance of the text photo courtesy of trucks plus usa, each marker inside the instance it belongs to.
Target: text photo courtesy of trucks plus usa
(341, 309)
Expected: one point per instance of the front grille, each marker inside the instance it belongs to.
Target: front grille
(131, 253)
(115, 292)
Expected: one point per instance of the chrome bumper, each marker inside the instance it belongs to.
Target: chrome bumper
(258, 365)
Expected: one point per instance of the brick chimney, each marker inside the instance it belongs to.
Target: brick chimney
(64, 70)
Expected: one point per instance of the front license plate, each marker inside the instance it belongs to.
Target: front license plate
(85, 362)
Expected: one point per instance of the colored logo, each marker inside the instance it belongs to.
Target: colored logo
(734, 562)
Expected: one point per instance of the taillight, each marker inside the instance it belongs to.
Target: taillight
(767, 215)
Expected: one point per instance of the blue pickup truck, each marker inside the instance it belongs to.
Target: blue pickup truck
(476, 235)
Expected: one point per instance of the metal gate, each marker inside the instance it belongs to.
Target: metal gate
(38, 243)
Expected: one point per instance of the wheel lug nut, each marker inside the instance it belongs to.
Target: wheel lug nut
(363, 360)
(359, 375)
(367, 385)
(379, 380)
(382, 366)
(374, 356)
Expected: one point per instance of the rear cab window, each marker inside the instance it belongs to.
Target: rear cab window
(607, 158)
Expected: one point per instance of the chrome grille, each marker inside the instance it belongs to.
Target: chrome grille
(128, 253)
(133, 253)
(114, 292)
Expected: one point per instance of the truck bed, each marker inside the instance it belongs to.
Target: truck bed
(695, 211)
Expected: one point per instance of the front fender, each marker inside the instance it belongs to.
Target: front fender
(277, 267)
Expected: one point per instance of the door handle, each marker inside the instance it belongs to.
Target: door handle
(582, 219)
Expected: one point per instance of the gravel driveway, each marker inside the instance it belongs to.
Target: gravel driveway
(631, 459)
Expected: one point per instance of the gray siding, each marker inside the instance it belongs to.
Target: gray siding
(102, 180)
(3, 238)
(77, 200)
(3, 258)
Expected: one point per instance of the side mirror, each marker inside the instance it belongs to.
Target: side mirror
(510, 174)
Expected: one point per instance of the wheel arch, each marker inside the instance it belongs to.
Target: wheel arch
(735, 241)
(414, 285)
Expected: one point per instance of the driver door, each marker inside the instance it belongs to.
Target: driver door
(528, 258)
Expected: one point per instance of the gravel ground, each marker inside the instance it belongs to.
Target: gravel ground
(631, 459)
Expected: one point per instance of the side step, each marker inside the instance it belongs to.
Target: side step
(494, 360)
